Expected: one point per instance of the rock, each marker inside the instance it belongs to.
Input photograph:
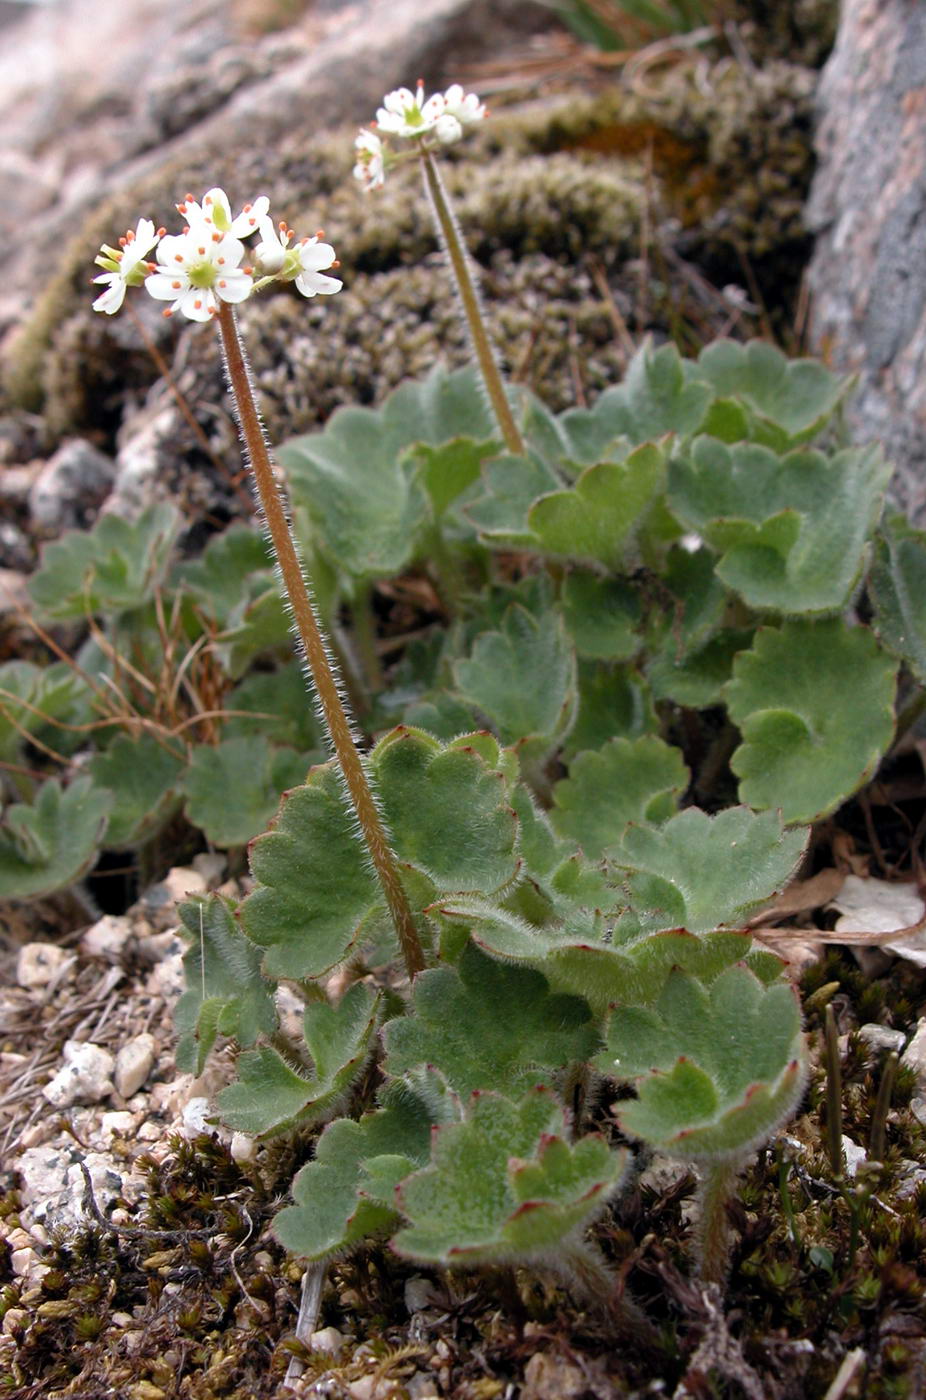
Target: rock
(853, 1155)
(551, 1377)
(41, 963)
(194, 1117)
(914, 1057)
(85, 1076)
(70, 487)
(328, 1340)
(242, 1148)
(134, 1062)
(167, 980)
(107, 937)
(14, 596)
(52, 1183)
(882, 1037)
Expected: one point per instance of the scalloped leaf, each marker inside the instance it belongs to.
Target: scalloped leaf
(626, 780)
(505, 1184)
(602, 616)
(814, 702)
(489, 1025)
(897, 587)
(233, 788)
(362, 494)
(33, 697)
(347, 1193)
(657, 397)
(50, 843)
(596, 519)
(109, 569)
(235, 564)
(523, 678)
(145, 779)
(791, 400)
(257, 626)
(278, 705)
(511, 485)
(451, 468)
(717, 1069)
(448, 809)
(700, 872)
(226, 993)
(791, 531)
(270, 1096)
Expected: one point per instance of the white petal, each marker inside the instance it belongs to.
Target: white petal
(174, 250)
(250, 217)
(163, 287)
(234, 286)
(110, 300)
(310, 283)
(448, 129)
(316, 256)
(196, 304)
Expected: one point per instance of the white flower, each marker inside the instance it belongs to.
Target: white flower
(305, 265)
(126, 266)
(405, 113)
(215, 211)
(459, 110)
(198, 267)
(369, 169)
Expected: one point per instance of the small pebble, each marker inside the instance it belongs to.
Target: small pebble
(107, 937)
(134, 1063)
(85, 1076)
(39, 963)
(328, 1340)
(914, 1057)
(882, 1037)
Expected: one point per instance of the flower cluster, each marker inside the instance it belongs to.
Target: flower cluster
(409, 115)
(205, 264)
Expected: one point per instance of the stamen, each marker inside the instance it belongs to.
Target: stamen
(176, 286)
(168, 312)
(198, 304)
(217, 238)
(178, 257)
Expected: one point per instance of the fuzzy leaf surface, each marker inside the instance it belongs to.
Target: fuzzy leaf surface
(626, 780)
(791, 530)
(226, 992)
(523, 677)
(596, 519)
(33, 697)
(109, 569)
(344, 1196)
(791, 400)
(717, 1068)
(233, 789)
(700, 872)
(614, 703)
(897, 585)
(50, 843)
(657, 397)
(270, 1096)
(602, 615)
(511, 485)
(145, 780)
(814, 702)
(504, 1184)
(489, 1025)
(235, 564)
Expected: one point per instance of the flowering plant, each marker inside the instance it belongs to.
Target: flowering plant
(505, 905)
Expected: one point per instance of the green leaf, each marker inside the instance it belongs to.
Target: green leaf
(448, 808)
(254, 628)
(145, 780)
(697, 678)
(602, 615)
(700, 872)
(233, 788)
(814, 702)
(596, 519)
(234, 565)
(625, 781)
(656, 398)
(271, 1096)
(614, 703)
(791, 530)
(337, 1200)
(791, 400)
(111, 568)
(226, 993)
(897, 586)
(52, 842)
(504, 1184)
(353, 481)
(511, 485)
(717, 1068)
(450, 469)
(523, 677)
(489, 1025)
(277, 704)
(33, 698)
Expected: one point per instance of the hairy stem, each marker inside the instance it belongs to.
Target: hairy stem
(718, 1183)
(293, 577)
(469, 298)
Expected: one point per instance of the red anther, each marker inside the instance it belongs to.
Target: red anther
(181, 208)
(202, 252)
(336, 263)
(217, 238)
(207, 199)
(152, 267)
(222, 282)
(188, 199)
(161, 232)
(421, 82)
(178, 257)
(220, 261)
(319, 233)
(198, 304)
(168, 312)
(186, 228)
(282, 225)
(123, 241)
(248, 271)
(176, 286)
(247, 209)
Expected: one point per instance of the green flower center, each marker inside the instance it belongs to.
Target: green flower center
(202, 275)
